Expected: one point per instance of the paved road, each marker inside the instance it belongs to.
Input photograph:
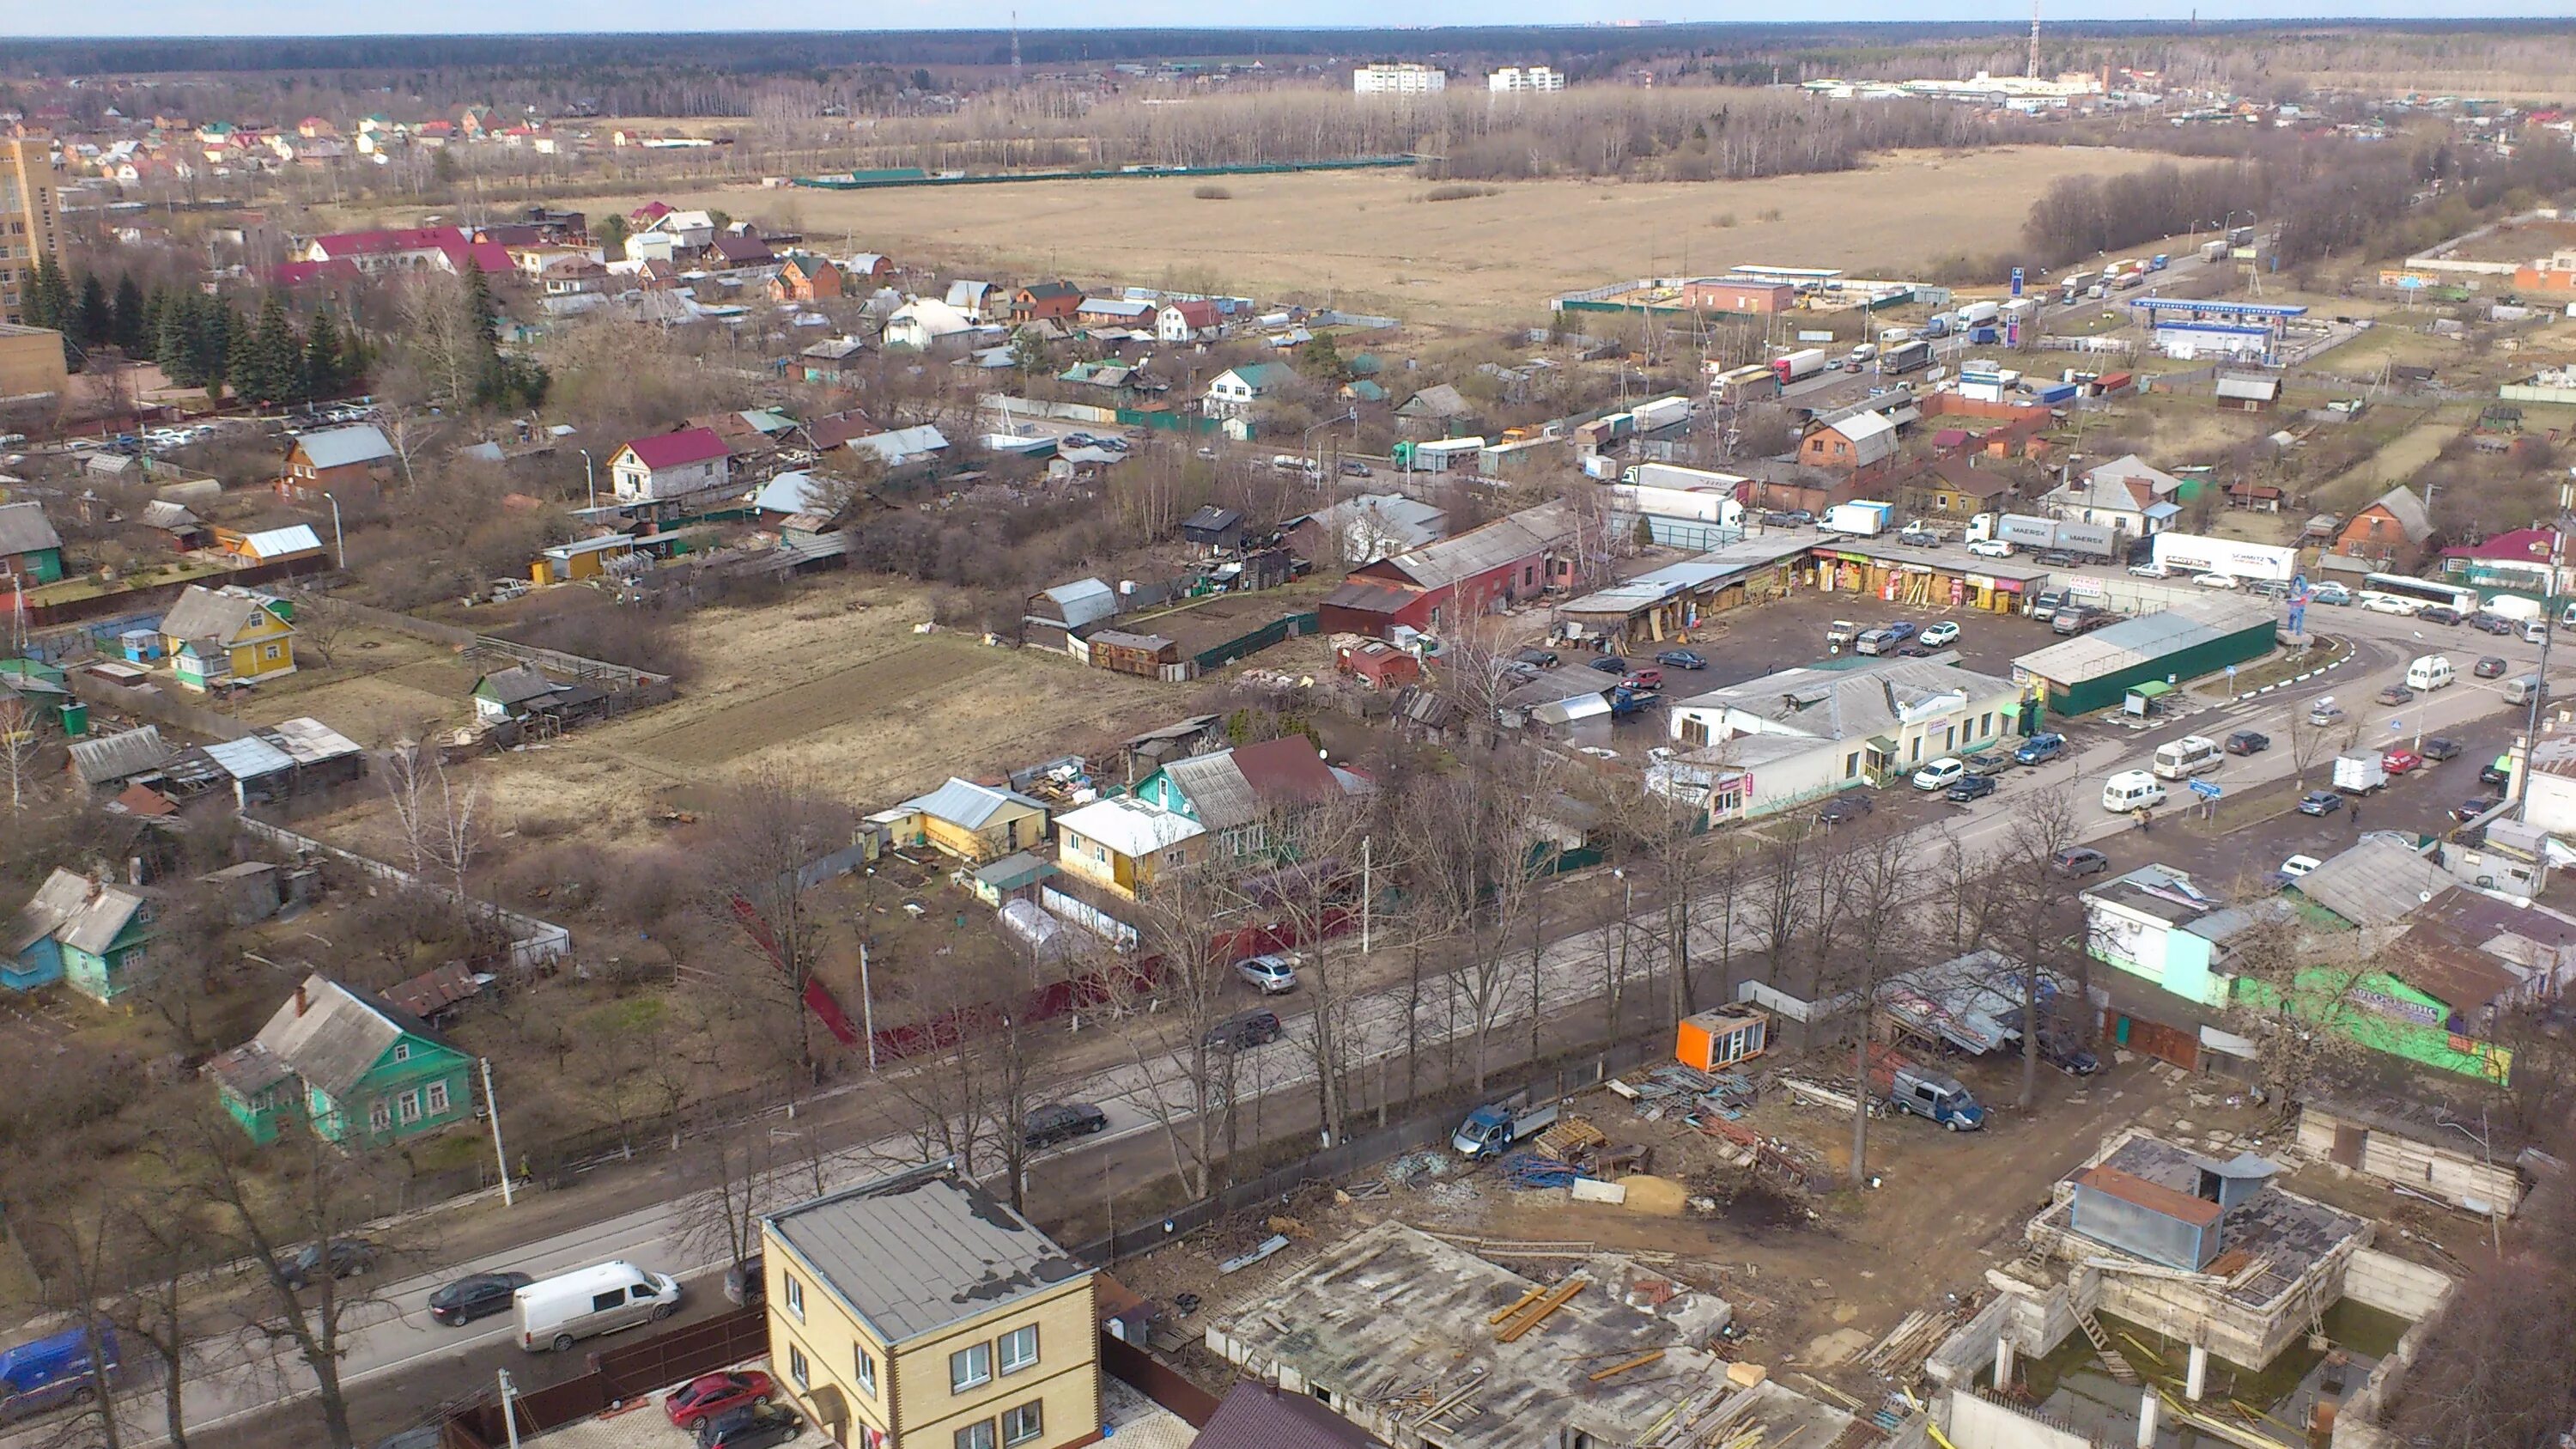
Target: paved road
(396, 1338)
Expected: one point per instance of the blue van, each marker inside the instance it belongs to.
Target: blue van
(54, 1371)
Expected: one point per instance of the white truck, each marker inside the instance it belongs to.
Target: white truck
(1805, 362)
(2359, 773)
(1979, 314)
(1863, 518)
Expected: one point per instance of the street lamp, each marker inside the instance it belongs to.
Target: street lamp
(589, 476)
(339, 544)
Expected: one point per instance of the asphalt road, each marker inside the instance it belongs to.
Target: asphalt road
(395, 1350)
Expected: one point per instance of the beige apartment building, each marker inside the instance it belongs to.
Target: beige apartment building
(919, 1312)
(30, 227)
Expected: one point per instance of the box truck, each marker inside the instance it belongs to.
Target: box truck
(1805, 362)
(1862, 517)
(1977, 314)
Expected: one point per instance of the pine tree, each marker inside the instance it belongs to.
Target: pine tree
(174, 342)
(213, 334)
(241, 370)
(129, 331)
(41, 306)
(93, 322)
(276, 357)
(324, 374)
(156, 308)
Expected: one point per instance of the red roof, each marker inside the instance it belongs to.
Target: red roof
(649, 212)
(2525, 545)
(296, 274)
(1197, 315)
(1287, 771)
(672, 450)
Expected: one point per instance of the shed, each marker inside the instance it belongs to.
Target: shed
(1139, 654)
(117, 758)
(1214, 527)
(2153, 1221)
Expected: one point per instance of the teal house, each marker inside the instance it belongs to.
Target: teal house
(359, 1069)
(82, 933)
(29, 547)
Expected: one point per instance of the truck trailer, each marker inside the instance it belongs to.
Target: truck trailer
(1805, 362)
(1905, 357)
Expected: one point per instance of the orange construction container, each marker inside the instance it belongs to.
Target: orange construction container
(1715, 1040)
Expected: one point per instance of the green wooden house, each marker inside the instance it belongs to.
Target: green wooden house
(29, 547)
(78, 931)
(358, 1068)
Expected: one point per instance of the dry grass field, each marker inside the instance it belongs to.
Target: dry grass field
(1369, 240)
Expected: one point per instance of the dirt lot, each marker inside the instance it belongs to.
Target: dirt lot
(1368, 240)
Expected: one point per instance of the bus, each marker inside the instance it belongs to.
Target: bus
(2420, 592)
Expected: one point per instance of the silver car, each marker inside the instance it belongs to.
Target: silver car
(1273, 974)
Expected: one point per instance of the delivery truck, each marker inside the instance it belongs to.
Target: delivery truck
(1862, 517)
(1493, 1129)
(2359, 773)
(1978, 314)
(1905, 357)
(58, 1369)
(1805, 362)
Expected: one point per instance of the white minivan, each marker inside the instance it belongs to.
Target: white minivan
(2191, 755)
(2432, 671)
(602, 1298)
(2131, 790)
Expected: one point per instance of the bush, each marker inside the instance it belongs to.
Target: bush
(1725, 219)
(1460, 193)
(1213, 193)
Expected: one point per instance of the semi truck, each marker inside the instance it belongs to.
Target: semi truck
(1745, 384)
(2092, 540)
(1494, 1128)
(1908, 1086)
(1805, 362)
(1978, 314)
(1436, 457)
(1904, 357)
(1663, 412)
(2213, 251)
(2189, 553)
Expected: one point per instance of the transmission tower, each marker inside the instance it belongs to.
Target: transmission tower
(1015, 43)
(2030, 68)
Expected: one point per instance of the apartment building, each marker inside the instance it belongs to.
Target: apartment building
(1403, 79)
(1525, 80)
(30, 226)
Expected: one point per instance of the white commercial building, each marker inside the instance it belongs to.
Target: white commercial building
(1401, 79)
(1518, 80)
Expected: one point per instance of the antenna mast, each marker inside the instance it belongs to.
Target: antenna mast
(2031, 67)
(1015, 42)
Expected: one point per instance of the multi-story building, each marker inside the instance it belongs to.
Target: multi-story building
(1523, 80)
(29, 230)
(1404, 78)
(918, 1312)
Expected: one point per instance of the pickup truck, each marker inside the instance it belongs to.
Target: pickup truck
(1492, 1129)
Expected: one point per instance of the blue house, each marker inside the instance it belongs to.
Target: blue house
(76, 930)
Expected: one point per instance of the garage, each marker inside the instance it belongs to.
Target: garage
(1935, 578)
(2194, 638)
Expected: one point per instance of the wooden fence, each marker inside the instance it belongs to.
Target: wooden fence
(618, 1377)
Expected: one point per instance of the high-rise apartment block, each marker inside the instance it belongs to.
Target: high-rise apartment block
(30, 228)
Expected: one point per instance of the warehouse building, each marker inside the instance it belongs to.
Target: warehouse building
(2191, 639)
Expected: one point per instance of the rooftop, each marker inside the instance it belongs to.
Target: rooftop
(1714, 569)
(2281, 1235)
(2145, 639)
(1130, 826)
(2374, 883)
(920, 1251)
(1849, 703)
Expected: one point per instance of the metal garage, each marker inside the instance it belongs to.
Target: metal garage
(2193, 638)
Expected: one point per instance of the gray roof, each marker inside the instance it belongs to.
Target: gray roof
(2375, 883)
(1439, 400)
(55, 902)
(110, 758)
(330, 1036)
(339, 447)
(918, 1252)
(25, 529)
(2107, 486)
(515, 685)
(2408, 510)
(1715, 569)
(204, 613)
(1505, 540)
(2145, 639)
(100, 920)
(1084, 601)
(966, 803)
(250, 758)
(164, 513)
(1215, 787)
(2248, 387)
(1850, 704)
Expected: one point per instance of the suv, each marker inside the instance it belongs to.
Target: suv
(1061, 1122)
(1245, 1029)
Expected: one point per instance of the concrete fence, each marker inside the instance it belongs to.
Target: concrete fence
(2394, 1285)
(532, 942)
(1977, 1422)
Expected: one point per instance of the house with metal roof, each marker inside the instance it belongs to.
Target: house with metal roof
(1443, 584)
(81, 932)
(2391, 530)
(348, 1063)
(2180, 643)
(105, 762)
(1236, 391)
(921, 1309)
(2248, 392)
(512, 692)
(970, 821)
(1862, 442)
(1817, 730)
(2157, 924)
(31, 552)
(1235, 794)
(670, 466)
(2125, 495)
(346, 463)
(1660, 607)
(227, 636)
(274, 545)
(1366, 528)
(1123, 843)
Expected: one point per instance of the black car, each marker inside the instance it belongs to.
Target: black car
(1356, 470)
(349, 1257)
(745, 1285)
(1608, 664)
(1845, 807)
(2065, 1051)
(2057, 558)
(2395, 694)
(479, 1295)
(1246, 1029)
(2320, 802)
(2468, 810)
(1536, 658)
(2248, 742)
(1799, 516)
(1062, 1122)
(2440, 747)
(2491, 667)
(2438, 614)
(1969, 787)
(1778, 520)
(1681, 659)
(2077, 861)
(2495, 774)
(753, 1426)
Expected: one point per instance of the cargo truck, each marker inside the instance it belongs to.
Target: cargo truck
(1861, 517)
(1940, 324)
(2359, 773)
(1663, 412)
(1492, 1129)
(1977, 314)
(1806, 362)
(1904, 357)
(1436, 457)
(2213, 251)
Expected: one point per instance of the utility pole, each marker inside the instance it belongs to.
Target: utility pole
(492, 1107)
(2548, 631)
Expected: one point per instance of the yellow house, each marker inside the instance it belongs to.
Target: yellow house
(1123, 843)
(227, 635)
(570, 563)
(917, 1312)
(970, 821)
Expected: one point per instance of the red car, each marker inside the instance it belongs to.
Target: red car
(712, 1394)
(2398, 762)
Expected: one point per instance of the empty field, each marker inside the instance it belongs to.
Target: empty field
(854, 696)
(1369, 240)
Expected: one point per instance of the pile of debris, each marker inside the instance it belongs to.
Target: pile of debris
(1677, 1088)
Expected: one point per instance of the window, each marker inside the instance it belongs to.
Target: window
(795, 1297)
(797, 1368)
(603, 1302)
(269, 652)
(436, 1098)
(970, 1367)
(408, 1105)
(1851, 765)
(1022, 1423)
(866, 1366)
(976, 1436)
(380, 1116)
(1019, 1348)
(402, 1051)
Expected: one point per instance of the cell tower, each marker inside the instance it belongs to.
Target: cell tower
(1015, 43)
(2030, 68)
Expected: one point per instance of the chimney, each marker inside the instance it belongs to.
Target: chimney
(303, 998)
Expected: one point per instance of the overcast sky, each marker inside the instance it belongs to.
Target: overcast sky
(339, 17)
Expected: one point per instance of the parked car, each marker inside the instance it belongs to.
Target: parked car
(1969, 787)
(2486, 623)
(2299, 865)
(1941, 774)
(1536, 658)
(1681, 659)
(1987, 762)
(1991, 548)
(1061, 1122)
(2217, 581)
(1940, 634)
(754, 1426)
(1848, 806)
(2324, 712)
(2078, 861)
(476, 1295)
(2491, 667)
(2398, 762)
(349, 1258)
(2057, 558)
(1273, 974)
(1913, 651)
(2440, 748)
(2320, 802)
(1777, 519)
(1920, 538)
(2248, 742)
(2438, 614)
(2329, 593)
(2496, 774)
(2268, 589)
(2389, 604)
(1900, 631)
(1799, 516)
(709, 1395)
(2039, 749)
(2394, 694)
(2071, 618)
(2065, 1051)
(2468, 810)
(1642, 679)
(745, 1285)
(1608, 664)
(1356, 470)
(2150, 571)
(2095, 619)
(1245, 1029)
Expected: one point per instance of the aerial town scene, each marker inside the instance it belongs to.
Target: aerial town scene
(1531, 731)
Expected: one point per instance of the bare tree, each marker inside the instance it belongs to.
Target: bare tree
(1865, 890)
(321, 622)
(1188, 1078)
(19, 748)
(765, 836)
(2294, 997)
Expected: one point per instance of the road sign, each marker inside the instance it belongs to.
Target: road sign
(2016, 282)
(2231, 672)
(2206, 790)
(2397, 727)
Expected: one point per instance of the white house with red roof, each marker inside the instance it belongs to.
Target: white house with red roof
(409, 249)
(669, 465)
(1185, 321)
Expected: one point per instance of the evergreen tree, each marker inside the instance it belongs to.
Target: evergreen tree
(129, 331)
(174, 342)
(241, 368)
(42, 304)
(478, 299)
(214, 332)
(275, 355)
(93, 321)
(325, 368)
(156, 307)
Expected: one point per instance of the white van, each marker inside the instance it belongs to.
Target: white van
(602, 1298)
(2131, 790)
(2191, 755)
(2432, 671)
(2522, 687)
